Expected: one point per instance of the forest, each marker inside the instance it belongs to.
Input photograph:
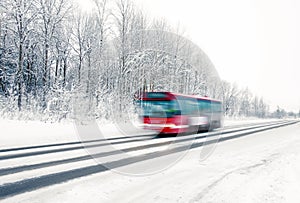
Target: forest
(58, 62)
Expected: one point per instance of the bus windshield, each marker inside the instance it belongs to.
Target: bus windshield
(159, 109)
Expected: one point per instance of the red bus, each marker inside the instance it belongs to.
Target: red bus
(170, 113)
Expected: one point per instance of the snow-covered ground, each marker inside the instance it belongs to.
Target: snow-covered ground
(26, 133)
(15, 133)
(263, 167)
(229, 121)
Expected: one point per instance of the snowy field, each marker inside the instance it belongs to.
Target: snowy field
(262, 167)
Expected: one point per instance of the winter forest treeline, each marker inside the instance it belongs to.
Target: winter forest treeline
(57, 61)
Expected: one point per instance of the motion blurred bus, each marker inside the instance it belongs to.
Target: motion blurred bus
(170, 113)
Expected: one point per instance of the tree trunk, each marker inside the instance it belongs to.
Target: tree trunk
(19, 76)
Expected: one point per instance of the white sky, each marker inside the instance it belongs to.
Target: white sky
(255, 43)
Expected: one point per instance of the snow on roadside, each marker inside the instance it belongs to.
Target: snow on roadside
(15, 133)
(228, 121)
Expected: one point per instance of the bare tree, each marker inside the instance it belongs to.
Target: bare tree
(52, 13)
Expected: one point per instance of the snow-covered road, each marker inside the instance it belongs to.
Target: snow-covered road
(251, 168)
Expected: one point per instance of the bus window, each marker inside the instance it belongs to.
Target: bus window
(216, 107)
(204, 106)
(188, 106)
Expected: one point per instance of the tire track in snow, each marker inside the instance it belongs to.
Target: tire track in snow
(6, 171)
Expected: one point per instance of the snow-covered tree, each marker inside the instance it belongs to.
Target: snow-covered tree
(20, 18)
(51, 53)
(52, 14)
